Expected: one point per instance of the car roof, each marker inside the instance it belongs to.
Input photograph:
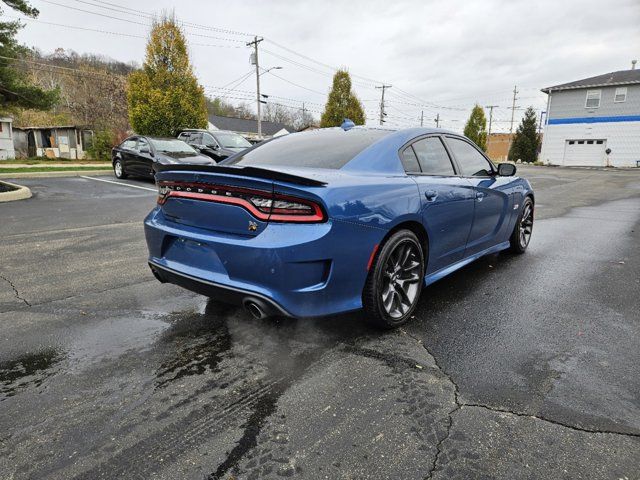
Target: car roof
(203, 130)
(150, 137)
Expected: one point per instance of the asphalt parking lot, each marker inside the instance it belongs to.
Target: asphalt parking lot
(516, 367)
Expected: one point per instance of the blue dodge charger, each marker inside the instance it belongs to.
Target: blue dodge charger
(337, 219)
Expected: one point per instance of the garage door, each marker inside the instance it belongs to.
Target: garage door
(585, 153)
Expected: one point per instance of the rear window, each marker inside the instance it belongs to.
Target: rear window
(330, 148)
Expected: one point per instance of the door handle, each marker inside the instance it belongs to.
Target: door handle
(430, 195)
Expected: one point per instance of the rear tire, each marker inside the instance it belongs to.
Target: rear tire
(521, 235)
(395, 281)
(118, 169)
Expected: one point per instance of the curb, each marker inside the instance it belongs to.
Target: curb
(21, 193)
(69, 173)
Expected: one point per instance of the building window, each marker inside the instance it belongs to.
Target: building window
(621, 95)
(593, 99)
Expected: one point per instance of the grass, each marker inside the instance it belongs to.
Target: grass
(46, 161)
(51, 169)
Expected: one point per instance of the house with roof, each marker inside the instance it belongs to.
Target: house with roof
(248, 128)
(62, 141)
(594, 121)
(6, 139)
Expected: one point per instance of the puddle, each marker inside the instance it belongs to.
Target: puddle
(29, 370)
(114, 337)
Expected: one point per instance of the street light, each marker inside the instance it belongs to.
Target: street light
(269, 69)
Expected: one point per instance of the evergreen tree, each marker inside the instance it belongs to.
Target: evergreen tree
(526, 142)
(15, 89)
(342, 103)
(164, 96)
(476, 127)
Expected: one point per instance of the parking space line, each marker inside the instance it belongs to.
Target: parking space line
(120, 183)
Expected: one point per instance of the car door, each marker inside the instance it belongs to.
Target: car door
(491, 201)
(144, 157)
(447, 200)
(212, 147)
(127, 154)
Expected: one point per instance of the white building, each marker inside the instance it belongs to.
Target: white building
(594, 121)
(6, 139)
(248, 128)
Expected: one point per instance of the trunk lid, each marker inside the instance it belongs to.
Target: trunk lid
(228, 200)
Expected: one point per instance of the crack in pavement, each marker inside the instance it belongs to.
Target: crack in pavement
(548, 420)
(458, 404)
(15, 290)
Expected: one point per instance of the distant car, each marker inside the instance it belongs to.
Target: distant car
(138, 154)
(336, 219)
(218, 145)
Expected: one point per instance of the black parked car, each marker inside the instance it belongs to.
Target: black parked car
(137, 155)
(218, 144)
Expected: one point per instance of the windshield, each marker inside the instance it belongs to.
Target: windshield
(232, 140)
(171, 146)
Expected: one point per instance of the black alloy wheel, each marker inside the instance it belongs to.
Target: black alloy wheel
(395, 282)
(523, 229)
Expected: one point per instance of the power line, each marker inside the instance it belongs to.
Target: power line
(124, 9)
(84, 72)
(296, 84)
(135, 22)
(121, 34)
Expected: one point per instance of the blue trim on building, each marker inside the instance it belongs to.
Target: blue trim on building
(621, 118)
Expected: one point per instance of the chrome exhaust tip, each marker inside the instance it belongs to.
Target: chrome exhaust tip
(255, 309)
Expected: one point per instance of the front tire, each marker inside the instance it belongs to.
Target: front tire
(523, 229)
(395, 282)
(118, 169)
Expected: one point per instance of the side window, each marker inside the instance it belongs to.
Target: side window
(433, 157)
(195, 139)
(129, 144)
(472, 163)
(207, 139)
(142, 143)
(593, 99)
(410, 161)
(184, 136)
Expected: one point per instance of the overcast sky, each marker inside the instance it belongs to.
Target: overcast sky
(439, 56)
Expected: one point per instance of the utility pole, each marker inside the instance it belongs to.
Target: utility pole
(422, 118)
(254, 60)
(490, 107)
(513, 112)
(437, 120)
(382, 112)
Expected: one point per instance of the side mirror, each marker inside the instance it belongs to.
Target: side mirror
(215, 147)
(506, 169)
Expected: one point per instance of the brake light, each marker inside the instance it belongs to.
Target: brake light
(262, 204)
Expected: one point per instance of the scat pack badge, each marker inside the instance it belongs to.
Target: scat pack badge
(253, 226)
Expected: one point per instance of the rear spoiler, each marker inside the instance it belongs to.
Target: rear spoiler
(240, 171)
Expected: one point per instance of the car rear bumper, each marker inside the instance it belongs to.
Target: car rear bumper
(293, 269)
(220, 292)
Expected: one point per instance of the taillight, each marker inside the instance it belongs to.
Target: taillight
(262, 204)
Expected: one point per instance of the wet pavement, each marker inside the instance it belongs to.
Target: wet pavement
(514, 367)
